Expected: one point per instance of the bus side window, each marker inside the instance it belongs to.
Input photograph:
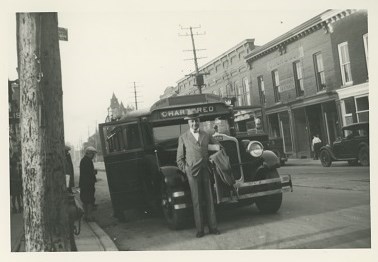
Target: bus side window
(124, 136)
(147, 134)
(119, 140)
(133, 137)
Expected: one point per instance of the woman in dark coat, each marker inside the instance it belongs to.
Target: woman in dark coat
(69, 169)
(87, 182)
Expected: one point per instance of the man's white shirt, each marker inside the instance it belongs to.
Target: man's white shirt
(316, 140)
(196, 135)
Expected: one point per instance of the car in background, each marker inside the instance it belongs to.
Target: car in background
(353, 146)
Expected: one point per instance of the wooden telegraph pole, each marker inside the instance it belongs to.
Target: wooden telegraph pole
(45, 211)
(199, 81)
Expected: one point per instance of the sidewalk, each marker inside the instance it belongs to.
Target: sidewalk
(91, 237)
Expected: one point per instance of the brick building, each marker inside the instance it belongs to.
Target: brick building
(311, 80)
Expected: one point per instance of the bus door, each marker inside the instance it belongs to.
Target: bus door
(123, 157)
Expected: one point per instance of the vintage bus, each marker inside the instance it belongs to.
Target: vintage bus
(140, 160)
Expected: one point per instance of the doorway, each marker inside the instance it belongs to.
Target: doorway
(302, 136)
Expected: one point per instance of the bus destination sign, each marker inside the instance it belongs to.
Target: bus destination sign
(181, 112)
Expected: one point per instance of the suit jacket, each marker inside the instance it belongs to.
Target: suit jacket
(193, 155)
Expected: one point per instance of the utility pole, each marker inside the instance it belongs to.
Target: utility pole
(96, 144)
(198, 76)
(45, 214)
(135, 95)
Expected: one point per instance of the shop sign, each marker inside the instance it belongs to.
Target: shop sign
(63, 34)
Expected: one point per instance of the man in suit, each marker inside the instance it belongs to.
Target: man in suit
(193, 159)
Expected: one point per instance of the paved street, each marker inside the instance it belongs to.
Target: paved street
(329, 208)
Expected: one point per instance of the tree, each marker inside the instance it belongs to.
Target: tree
(42, 133)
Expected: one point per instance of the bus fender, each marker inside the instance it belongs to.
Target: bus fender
(271, 160)
(172, 176)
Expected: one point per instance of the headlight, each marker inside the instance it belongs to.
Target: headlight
(255, 148)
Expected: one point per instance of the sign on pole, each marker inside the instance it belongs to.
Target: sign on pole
(63, 34)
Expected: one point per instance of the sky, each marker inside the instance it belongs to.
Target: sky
(110, 49)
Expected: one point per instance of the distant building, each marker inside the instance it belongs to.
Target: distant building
(169, 91)
(117, 110)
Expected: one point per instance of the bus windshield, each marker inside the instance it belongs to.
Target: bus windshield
(164, 133)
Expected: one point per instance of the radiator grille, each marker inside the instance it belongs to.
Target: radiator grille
(232, 152)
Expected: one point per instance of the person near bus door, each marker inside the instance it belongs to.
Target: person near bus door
(316, 145)
(193, 159)
(69, 169)
(87, 182)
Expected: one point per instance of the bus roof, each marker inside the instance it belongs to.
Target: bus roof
(177, 107)
(136, 114)
(187, 100)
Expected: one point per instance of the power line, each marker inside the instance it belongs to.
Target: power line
(198, 76)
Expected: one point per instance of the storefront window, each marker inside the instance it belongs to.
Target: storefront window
(350, 111)
(362, 106)
(356, 109)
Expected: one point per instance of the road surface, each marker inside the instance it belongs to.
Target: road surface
(329, 208)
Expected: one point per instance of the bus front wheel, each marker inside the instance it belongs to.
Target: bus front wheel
(175, 218)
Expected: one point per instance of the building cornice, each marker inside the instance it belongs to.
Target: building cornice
(355, 90)
(321, 21)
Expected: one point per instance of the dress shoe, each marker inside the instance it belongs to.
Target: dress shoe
(200, 234)
(214, 232)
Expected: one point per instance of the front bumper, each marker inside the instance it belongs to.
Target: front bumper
(265, 187)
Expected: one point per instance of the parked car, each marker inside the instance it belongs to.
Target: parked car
(352, 147)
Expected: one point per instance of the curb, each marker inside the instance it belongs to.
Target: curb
(102, 237)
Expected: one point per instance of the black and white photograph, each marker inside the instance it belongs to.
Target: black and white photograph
(189, 126)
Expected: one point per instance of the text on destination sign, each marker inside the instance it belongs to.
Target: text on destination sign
(184, 112)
